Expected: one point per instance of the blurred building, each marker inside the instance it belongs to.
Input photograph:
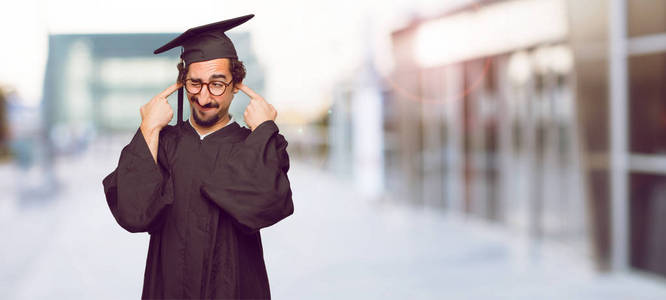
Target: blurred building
(545, 116)
(4, 127)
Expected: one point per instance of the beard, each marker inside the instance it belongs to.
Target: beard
(212, 120)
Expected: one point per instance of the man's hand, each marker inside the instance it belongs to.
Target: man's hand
(154, 116)
(258, 111)
(157, 112)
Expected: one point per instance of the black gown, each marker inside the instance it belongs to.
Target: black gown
(203, 204)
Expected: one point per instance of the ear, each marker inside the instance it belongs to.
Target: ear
(236, 89)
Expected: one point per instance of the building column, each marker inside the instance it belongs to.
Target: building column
(618, 82)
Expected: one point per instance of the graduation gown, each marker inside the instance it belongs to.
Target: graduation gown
(203, 204)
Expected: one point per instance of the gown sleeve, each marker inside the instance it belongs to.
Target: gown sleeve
(138, 191)
(252, 185)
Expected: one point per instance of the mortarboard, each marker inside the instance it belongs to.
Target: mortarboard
(204, 43)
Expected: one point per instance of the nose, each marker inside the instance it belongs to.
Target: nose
(204, 96)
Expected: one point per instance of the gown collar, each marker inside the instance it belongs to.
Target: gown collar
(227, 130)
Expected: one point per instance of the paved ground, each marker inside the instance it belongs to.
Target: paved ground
(337, 245)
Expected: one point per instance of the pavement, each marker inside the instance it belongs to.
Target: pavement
(63, 243)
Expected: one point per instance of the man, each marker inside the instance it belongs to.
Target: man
(203, 188)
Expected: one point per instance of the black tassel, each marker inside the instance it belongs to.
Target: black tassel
(181, 78)
(180, 106)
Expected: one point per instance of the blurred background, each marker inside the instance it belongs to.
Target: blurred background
(440, 149)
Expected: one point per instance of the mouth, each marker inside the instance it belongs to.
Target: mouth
(206, 109)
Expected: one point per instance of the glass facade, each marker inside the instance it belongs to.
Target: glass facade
(647, 103)
(646, 31)
(646, 17)
(522, 137)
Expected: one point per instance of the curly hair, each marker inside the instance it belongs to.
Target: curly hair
(236, 67)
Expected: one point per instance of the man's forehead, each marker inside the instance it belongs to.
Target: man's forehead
(210, 67)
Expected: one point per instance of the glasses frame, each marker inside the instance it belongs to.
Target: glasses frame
(226, 85)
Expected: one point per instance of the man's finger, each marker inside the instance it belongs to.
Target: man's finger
(166, 93)
(248, 91)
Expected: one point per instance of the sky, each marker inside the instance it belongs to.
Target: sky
(306, 47)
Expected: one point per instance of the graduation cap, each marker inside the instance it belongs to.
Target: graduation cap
(204, 43)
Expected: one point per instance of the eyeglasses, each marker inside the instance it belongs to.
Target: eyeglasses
(216, 88)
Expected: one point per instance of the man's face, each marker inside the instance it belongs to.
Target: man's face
(206, 108)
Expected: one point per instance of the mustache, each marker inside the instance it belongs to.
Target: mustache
(208, 105)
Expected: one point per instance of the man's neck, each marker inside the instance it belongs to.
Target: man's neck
(205, 130)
